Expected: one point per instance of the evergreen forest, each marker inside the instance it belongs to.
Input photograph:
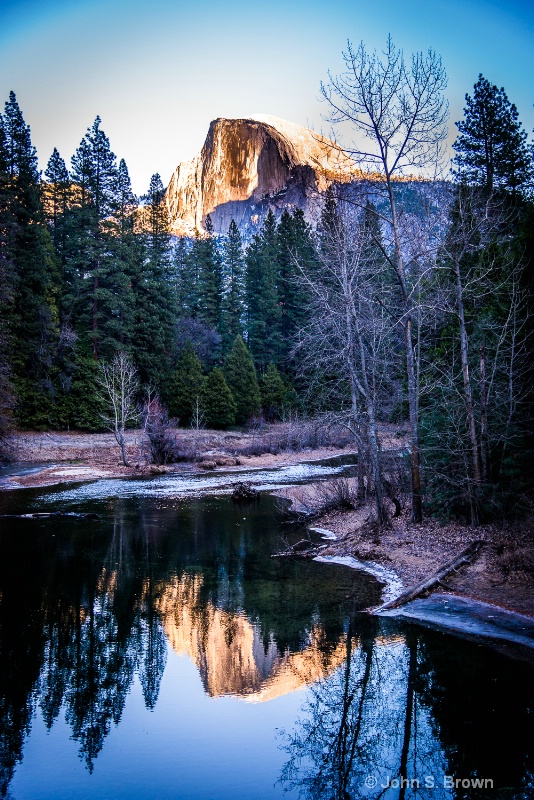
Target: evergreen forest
(408, 303)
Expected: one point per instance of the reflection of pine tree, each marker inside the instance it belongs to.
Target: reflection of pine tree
(20, 658)
(152, 648)
(101, 675)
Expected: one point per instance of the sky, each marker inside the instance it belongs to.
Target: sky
(158, 71)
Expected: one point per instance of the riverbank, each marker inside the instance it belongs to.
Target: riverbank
(501, 575)
(65, 457)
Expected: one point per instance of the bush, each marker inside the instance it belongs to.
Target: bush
(157, 435)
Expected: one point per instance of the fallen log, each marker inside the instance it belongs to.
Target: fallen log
(302, 549)
(465, 557)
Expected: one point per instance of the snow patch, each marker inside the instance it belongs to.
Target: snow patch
(392, 583)
(324, 533)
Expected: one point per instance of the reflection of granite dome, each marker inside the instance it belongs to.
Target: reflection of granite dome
(247, 166)
(229, 651)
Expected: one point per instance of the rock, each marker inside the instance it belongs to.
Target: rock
(244, 491)
(248, 166)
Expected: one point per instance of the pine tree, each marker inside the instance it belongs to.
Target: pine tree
(217, 401)
(184, 280)
(329, 213)
(92, 261)
(295, 248)
(32, 314)
(57, 194)
(492, 150)
(207, 264)
(7, 280)
(185, 385)
(241, 378)
(129, 254)
(262, 303)
(233, 310)
(154, 303)
(273, 393)
(374, 249)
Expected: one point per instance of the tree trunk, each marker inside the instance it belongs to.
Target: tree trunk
(474, 486)
(95, 317)
(417, 501)
(374, 444)
(465, 557)
(121, 441)
(413, 405)
(483, 415)
(408, 716)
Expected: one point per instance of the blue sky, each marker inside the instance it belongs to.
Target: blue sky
(157, 72)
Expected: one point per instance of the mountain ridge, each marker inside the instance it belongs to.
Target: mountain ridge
(248, 166)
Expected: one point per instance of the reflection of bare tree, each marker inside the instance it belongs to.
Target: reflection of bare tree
(359, 736)
(482, 715)
(323, 751)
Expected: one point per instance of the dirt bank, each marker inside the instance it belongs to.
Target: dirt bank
(503, 573)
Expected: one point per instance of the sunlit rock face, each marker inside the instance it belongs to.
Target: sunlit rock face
(248, 166)
(229, 652)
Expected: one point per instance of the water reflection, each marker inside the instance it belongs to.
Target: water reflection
(406, 717)
(231, 655)
(86, 606)
(90, 611)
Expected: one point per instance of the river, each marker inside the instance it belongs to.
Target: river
(158, 651)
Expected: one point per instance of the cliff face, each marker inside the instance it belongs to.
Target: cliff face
(248, 166)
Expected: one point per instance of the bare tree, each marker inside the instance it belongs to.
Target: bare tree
(398, 110)
(198, 423)
(119, 385)
(349, 337)
(477, 381)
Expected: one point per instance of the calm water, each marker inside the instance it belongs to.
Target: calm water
(160, 652)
